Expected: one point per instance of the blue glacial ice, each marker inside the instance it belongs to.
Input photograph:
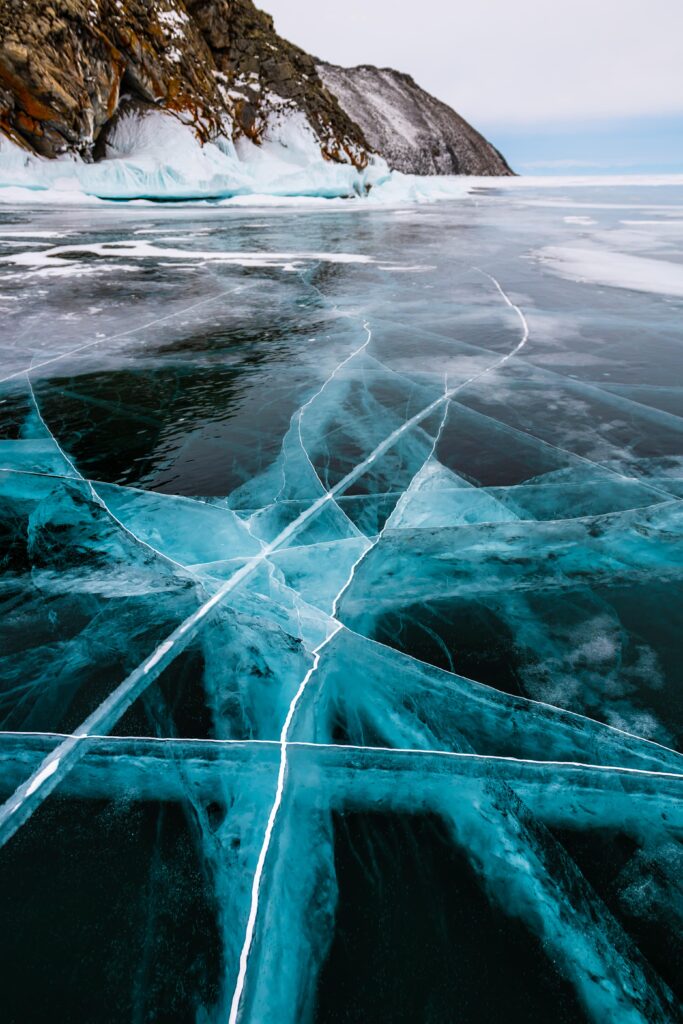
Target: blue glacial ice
(158, 157)
(340, 614)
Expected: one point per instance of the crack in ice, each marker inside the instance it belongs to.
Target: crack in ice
(101, 503)
(284, 739)
(464, 755)
(116, 703)
(114, 337)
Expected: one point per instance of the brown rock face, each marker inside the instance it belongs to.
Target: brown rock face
(66, 65)
(249, 53)
(68, 68)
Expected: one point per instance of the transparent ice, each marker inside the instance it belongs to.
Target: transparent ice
(341, 612)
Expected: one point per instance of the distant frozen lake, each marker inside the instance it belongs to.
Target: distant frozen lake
(341, 610)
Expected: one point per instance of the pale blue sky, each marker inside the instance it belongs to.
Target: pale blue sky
(561, 86)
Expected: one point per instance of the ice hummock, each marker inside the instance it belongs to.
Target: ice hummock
(155, 156)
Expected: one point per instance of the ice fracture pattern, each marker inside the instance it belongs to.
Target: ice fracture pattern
(341, 612)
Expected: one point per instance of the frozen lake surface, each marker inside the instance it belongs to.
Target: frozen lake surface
(341, 610)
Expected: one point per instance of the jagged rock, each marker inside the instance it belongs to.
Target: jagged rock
(415, 132)
(65, 64)
(260, 68)
(218, 65)
(68, 68)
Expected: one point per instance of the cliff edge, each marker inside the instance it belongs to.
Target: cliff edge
(415, 132)
(94, 80)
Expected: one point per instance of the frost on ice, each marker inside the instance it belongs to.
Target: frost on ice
(316, 566)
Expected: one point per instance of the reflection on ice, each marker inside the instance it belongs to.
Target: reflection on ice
(323, 562)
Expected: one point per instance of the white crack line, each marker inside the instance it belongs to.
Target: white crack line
(114, 337)
(318, 393)
(101, 503)
(284, 739)
(17, 808)
(337, 748)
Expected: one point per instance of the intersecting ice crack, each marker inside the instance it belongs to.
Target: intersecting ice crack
(456, 755)
(553, 374)
(272, 818)
(99, 500)
(669, 500)
(247, 523)
(317, 394)
(284, 736)
(55, 765)
(21, 804)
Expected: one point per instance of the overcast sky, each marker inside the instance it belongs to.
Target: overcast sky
(512, 63)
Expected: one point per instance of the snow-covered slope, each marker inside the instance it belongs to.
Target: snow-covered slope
(414, 131)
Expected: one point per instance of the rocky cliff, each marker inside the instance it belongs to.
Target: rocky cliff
(68, 66)
(69, 70)
(415, 132)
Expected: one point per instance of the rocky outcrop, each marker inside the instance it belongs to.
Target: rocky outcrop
(259, 69)
(69, 69)
(66, 67)
(414, 132)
